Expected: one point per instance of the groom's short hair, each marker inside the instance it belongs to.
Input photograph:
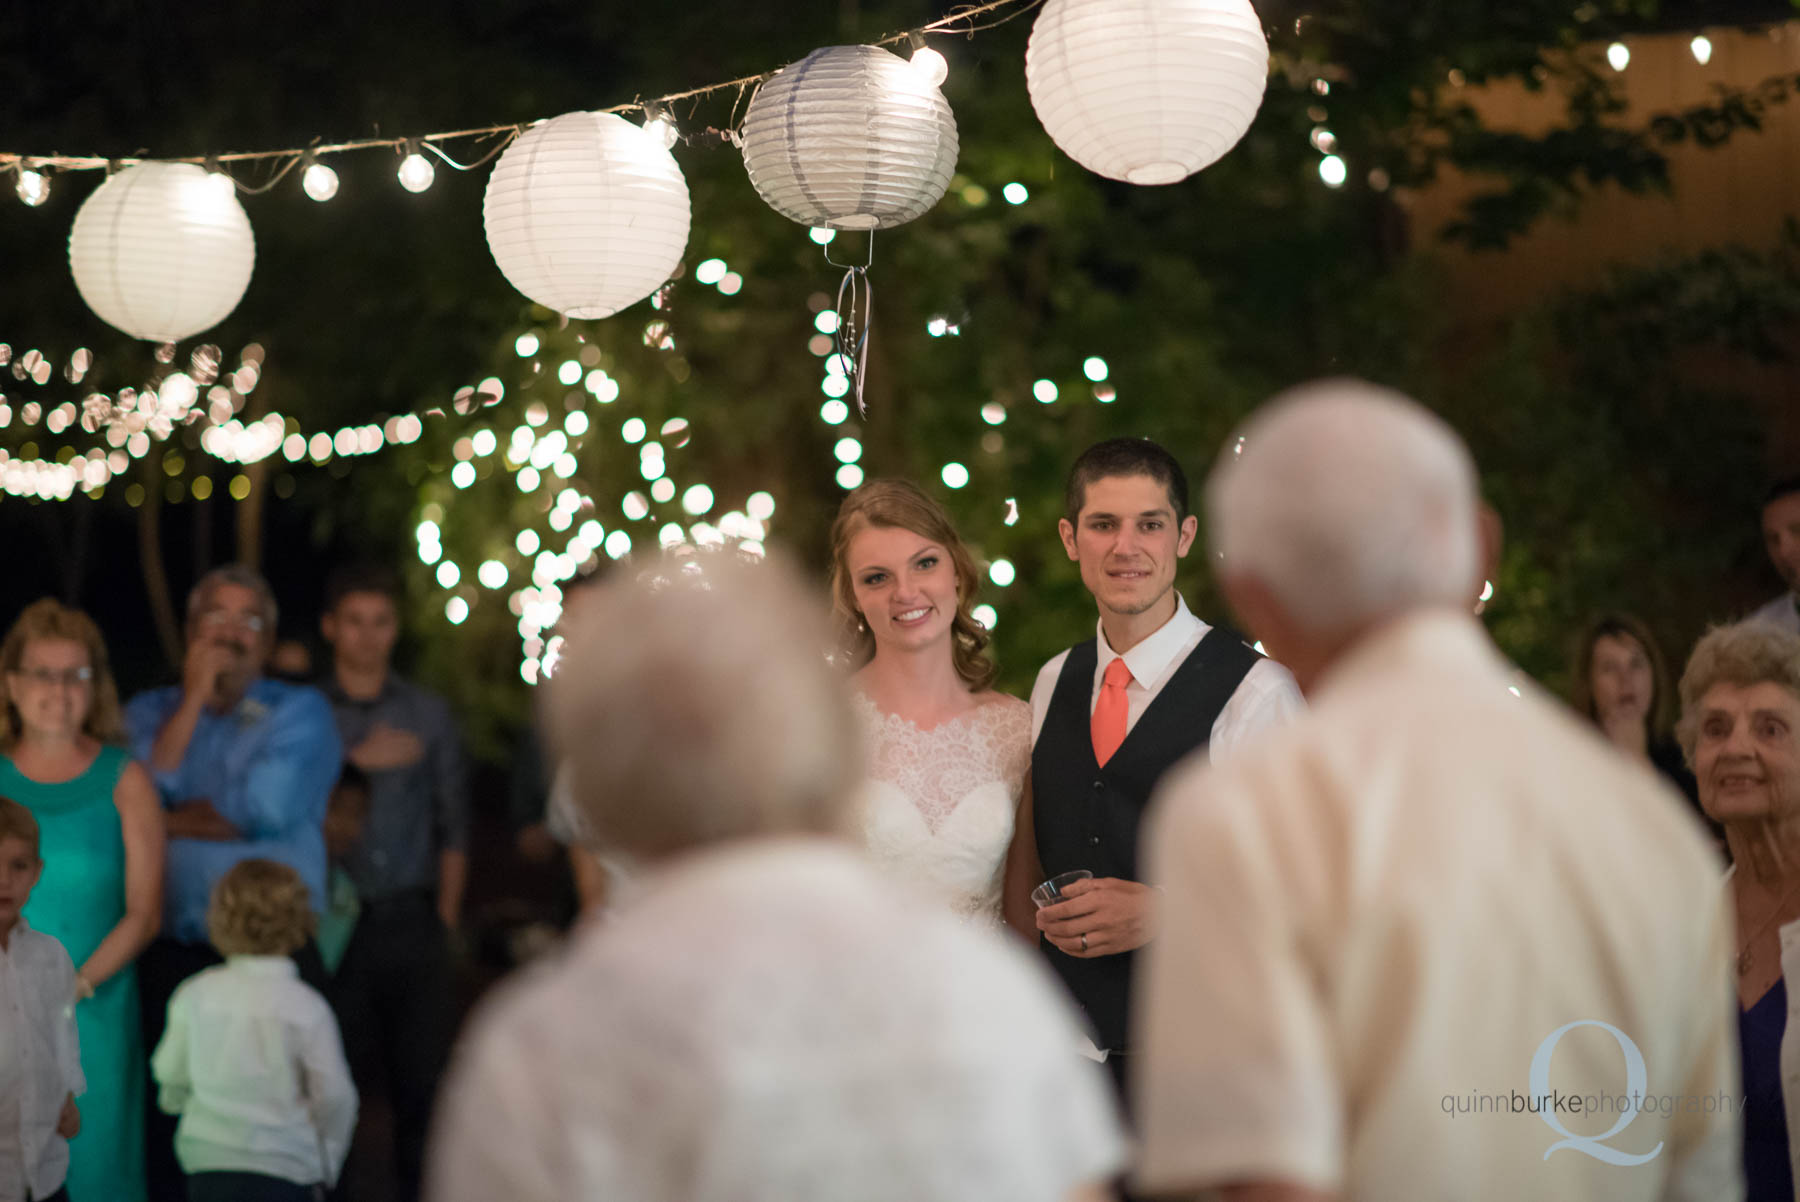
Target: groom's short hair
(1126, 457)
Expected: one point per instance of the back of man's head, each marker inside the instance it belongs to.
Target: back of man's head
(696, 705)
(1349, 503)
(1780, 488)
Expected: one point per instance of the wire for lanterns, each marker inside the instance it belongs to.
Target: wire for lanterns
(960, 22)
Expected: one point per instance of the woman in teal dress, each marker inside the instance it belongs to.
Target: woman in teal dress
(101, 889)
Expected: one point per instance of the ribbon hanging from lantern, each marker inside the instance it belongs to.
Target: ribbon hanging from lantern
(850, 138)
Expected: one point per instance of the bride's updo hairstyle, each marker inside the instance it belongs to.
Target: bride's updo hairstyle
(900, 504)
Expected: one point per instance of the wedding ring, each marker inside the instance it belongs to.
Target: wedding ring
(1084, 943)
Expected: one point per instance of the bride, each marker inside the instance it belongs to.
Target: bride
(948, 755)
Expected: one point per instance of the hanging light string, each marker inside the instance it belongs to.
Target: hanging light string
(962, 21)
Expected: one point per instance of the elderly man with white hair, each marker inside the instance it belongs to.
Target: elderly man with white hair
(1432, 940)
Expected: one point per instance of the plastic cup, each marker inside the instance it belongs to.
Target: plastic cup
(1050, 892)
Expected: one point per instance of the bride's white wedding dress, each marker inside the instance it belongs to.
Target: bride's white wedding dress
(938, 806)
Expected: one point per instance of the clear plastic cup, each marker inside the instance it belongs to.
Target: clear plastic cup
(1050, 892)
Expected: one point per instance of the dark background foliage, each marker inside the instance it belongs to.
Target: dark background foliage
(1612, 440)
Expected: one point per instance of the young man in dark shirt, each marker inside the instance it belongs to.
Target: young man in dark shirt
(394, 991)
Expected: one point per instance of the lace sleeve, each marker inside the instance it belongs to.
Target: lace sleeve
(1012, 739)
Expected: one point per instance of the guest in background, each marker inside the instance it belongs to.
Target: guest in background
(1622, 685)
(61, 756)
(768, 1018)
(40, 1054)
(594, 875)
(345, 817)
(291, 661)
(1781, 539)
(250, 1058)
(1347, 896)
(395, 991)
(1740, 725)
(540, 918)
(244, 766)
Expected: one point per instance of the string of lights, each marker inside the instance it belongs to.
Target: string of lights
(33, 172)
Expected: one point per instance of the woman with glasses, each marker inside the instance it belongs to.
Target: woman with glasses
(102, 849)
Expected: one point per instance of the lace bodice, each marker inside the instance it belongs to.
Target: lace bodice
(938, 805)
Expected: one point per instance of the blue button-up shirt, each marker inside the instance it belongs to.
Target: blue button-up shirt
(268, 767)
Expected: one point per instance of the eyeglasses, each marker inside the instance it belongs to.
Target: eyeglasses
(218, 619)
(45, 678)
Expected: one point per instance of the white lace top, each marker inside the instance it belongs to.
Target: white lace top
(774, 1022)
(938, 807)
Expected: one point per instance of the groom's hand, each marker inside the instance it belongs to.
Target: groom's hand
(1115, 916)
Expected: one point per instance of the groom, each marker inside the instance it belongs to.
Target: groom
(1112, 714)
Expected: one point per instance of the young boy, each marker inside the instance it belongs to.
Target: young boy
(346, 816)
(251, 1059)
(40, 1061)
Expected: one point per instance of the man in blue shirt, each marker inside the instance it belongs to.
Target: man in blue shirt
(244, 766)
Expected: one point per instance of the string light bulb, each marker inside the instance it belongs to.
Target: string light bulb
(661, 126)
(1619, 55)
(416, 171)
(33, 186)
(318, 181)
(1702, 48)
(930, 65)
(219, 179)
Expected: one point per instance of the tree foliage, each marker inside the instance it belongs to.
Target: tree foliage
(1621, 481)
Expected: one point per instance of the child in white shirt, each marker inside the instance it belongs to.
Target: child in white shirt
(251, 1059)
(40, 1058)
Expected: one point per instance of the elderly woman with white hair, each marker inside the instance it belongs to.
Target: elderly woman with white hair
(767, 1017)
(1432, 891)
(1740, 728)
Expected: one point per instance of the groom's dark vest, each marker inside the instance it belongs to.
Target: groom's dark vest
(1087, 816)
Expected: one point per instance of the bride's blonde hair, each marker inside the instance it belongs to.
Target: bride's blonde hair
(900, 504)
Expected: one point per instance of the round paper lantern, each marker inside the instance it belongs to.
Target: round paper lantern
(1146, 91)
(162, 250)
(850, 137)
(587, 214)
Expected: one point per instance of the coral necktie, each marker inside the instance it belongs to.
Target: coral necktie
(1109, 712)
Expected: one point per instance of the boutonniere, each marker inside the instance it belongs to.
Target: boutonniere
(251, 711)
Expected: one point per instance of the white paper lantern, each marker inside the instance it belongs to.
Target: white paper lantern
(162, 250)
(587, 214)
(850, 137)
(1146, 91)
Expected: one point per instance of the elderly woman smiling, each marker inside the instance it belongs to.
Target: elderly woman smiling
(768, 1017)
(1740, 727)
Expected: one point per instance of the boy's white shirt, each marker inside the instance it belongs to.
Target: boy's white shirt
(253, 1063)
(40, 1062)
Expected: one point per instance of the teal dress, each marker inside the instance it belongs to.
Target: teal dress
(79, 899)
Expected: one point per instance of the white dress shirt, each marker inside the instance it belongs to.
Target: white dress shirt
(1267, 696)
(252, 1062)
(1380, 917)
(40, 1062)
(1779, 612)
(773, 1020)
